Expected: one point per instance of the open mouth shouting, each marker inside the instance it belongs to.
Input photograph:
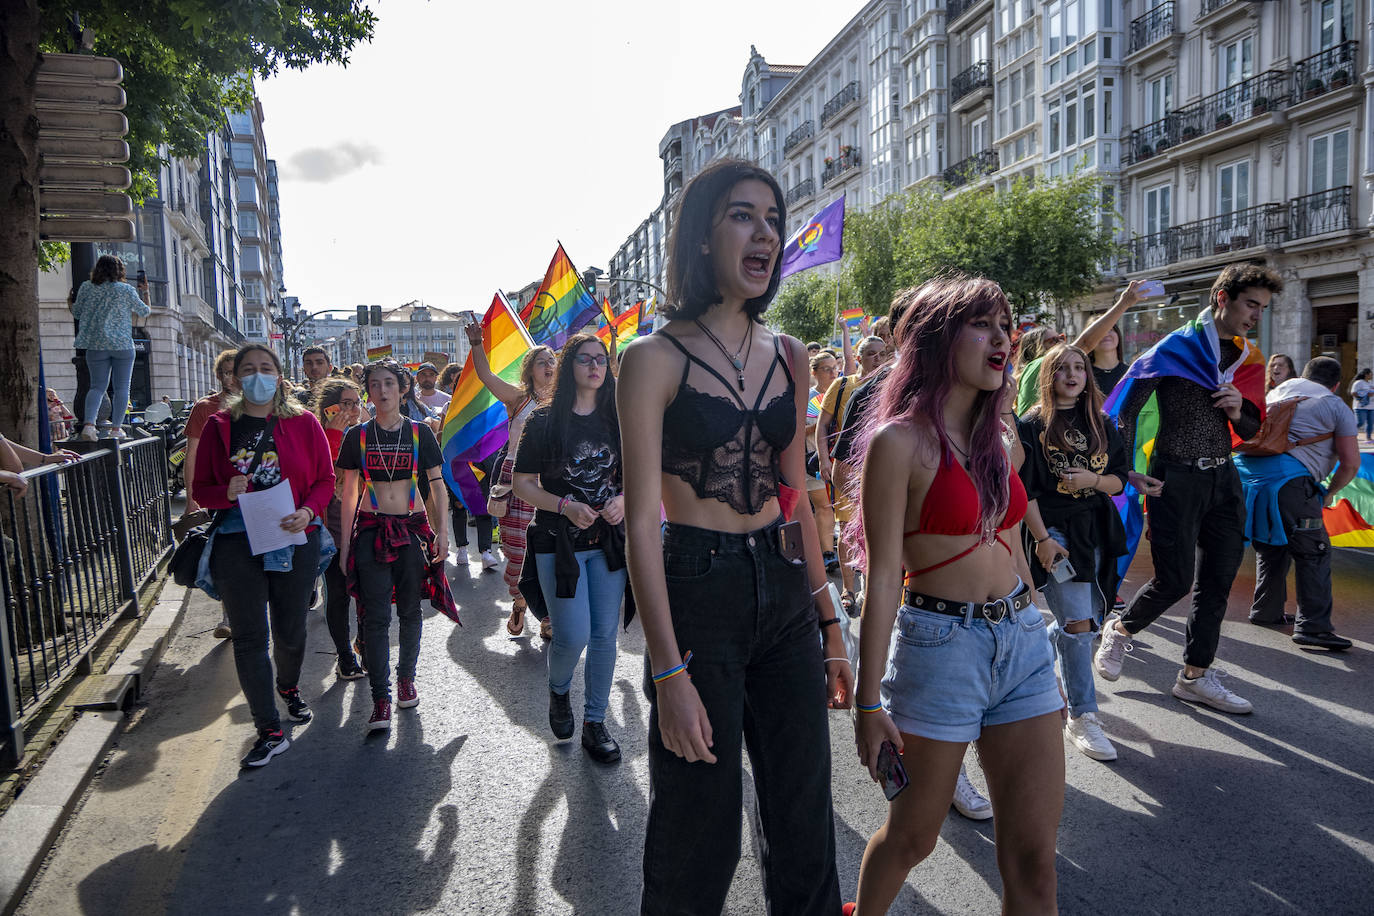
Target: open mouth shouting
(997, 361)
(758, 265)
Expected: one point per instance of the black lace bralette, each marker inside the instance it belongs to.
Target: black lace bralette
(722, 448)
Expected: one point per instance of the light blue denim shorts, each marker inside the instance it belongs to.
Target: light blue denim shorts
(948, 677)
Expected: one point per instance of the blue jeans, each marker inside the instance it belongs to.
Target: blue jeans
(588, 620)
(1364, 416)
(104, 365)
(1071, 602)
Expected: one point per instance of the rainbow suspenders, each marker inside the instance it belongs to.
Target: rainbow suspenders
(414, 466)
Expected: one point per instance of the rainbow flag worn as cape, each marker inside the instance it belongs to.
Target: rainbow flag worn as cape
(1350, 520)
(1192, 352)
(475, 425)
(561, 307)
(626, 326)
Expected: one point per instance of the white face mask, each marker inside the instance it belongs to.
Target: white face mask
(259, 388)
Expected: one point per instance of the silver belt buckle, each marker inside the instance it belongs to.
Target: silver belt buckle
(1000, 606)
(1207, 464)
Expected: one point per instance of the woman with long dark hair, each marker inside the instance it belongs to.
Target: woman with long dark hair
(261, 437)
(940, 518)
(104, 308)
(1075, 462)
(568, 468)
(733, 597)
(339, 407)
(534, 390)
(394, 537)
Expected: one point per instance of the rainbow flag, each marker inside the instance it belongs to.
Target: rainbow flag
(813, 408)
(475, 425)
(626, 327)
(376, 353)
(1350, 520)
(561, 307)
(607, 313)
(1192, 352)
(852, 318)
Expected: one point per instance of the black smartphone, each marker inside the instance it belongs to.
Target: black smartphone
(790, 542)
(142, 276)
(891, 773)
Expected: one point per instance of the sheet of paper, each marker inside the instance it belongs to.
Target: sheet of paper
(263, 511)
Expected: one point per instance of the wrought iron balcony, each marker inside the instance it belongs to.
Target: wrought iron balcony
(956, 8)
(1266, 224)
(1333, 68)
(966, 170)
(846, 96)
(805, 132)
(1269, 91)
(1208, 7)
(800, 191)
(226, 327)
(978, 76)
(836, 167)
(1320, 212)
(1156, 24)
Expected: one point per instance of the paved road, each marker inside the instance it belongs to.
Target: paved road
(467, 806)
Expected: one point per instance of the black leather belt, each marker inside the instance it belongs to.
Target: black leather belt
(992, 611)
(1199, 464)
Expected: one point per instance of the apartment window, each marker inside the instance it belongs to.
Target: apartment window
(1237, 62)
(978, 136)
(1055, 27)
(1159, 97)
(1089, 112)
(1233, 187)
(1107, 91)
(1157, 201)
(1052, 108)
(248, 224)
(250, 258)
(1329, 165)
(1071, 119)
(1333, 22)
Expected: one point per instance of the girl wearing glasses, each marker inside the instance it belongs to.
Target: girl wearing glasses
(339, 406)
(568, 468)
(535, 388)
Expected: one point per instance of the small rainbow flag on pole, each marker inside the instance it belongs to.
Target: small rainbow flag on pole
(376, 353)
(626, 326)
(475, 425)
(852, 318)
(561, 307)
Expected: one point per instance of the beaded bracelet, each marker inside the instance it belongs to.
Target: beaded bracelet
(876, 707)
(563, 503)
(674, 671)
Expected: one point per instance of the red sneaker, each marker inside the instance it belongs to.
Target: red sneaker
(381, 716)
(848, 909)
(406, 695)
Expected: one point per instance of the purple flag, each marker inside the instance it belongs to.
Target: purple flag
(820, 240)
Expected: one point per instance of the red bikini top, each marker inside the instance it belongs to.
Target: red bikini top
(951, 507)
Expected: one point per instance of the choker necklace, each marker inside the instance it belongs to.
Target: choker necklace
(743, 348)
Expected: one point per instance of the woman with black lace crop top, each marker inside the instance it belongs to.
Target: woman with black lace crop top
(733, 599)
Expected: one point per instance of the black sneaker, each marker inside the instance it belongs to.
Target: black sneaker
(296, 707)
(832, 562)
(349, 669)
(268, 745)
(560, 715)
(1327, 640)
(598, 743)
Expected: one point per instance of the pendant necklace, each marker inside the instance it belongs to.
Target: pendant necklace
(390, 468)
(743, 348)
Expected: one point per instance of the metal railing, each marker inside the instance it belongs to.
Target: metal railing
(837, 103)
(226, 327)
(956, 8)
(839, 165)
(798, 191)
(78, 547)
(1319, 212)
(1156, 24)
(978, 76)
(1268, 91)
(1333, 68)
(1208, 7)
(808, 129)
(975, 166)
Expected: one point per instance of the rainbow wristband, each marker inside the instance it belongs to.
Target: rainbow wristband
(876, 707)
(674, 671)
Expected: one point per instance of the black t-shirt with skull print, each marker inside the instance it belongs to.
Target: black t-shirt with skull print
(585, 467)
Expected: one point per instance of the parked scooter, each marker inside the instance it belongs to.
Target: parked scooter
(172, 428)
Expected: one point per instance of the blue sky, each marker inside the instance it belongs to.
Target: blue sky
(454, 151)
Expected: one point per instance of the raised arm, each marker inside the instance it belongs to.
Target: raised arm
(505, 392)
(1092, 335)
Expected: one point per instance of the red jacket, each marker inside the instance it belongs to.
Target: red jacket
(302, 454)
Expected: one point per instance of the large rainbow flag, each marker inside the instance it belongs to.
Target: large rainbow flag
(1350, 520)
(475, 425)
(561, 307)
(1192, 352)
(626, 326)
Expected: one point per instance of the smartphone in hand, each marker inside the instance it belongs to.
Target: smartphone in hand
(1063, 570)
(891, 774)
(1151, 289)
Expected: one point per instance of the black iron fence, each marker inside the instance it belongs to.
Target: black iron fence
(975, 166)
(798, 191)
(956, 8)
(837, 103)
(1266, 224)
(840, 164)
(807, 129)
(1269, 91)
(979, 76)
(1333, 68)
(1156, 24)
(79, 546)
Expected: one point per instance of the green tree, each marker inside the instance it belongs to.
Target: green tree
(185, 63)
(805, 306)
(870, 267)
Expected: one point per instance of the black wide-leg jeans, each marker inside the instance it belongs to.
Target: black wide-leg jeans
(1309, 547)
(747, 617)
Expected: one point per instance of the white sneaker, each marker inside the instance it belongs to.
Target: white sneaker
(1208, 690)
(89, 433)
(460, 556)
(489, 560)
(1086, 734)
(1114, 647)
(119, 433)
(968, 801)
